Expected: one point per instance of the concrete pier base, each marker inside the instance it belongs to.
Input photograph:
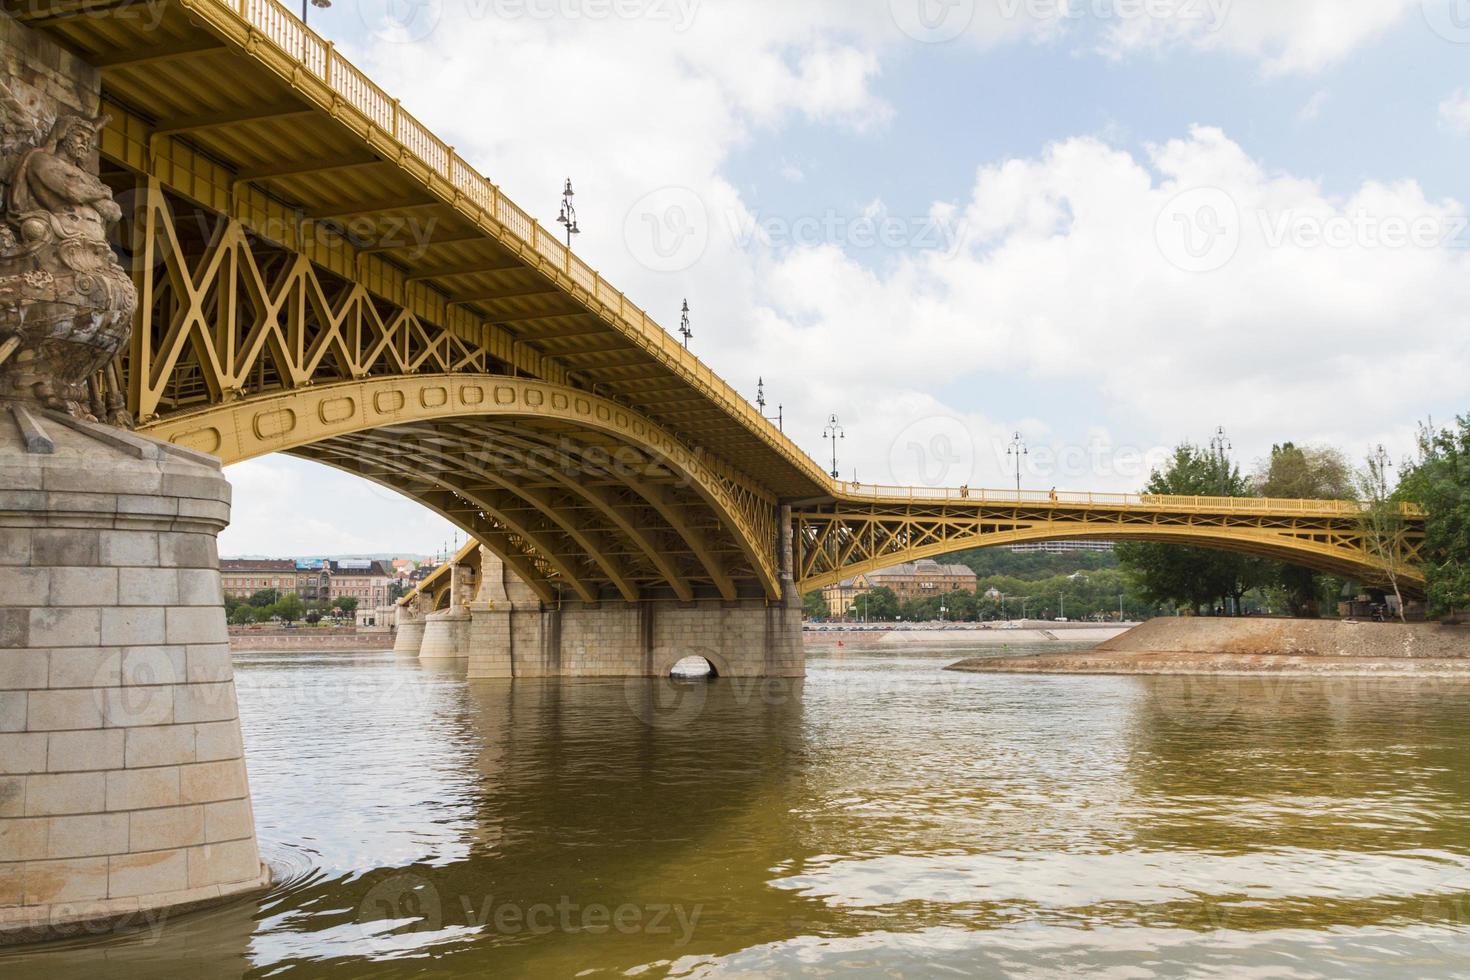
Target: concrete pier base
(750, 638)
(408, 639)
(123, 792)
(505, 632)
(446, 636)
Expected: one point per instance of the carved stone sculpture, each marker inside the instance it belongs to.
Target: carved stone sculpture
(66, 304)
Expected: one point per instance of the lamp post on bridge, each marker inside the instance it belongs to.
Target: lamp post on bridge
(323, 4)
(834, 431)
(568, 217)
(684, 329)
(1020, 452)
(1220, 447)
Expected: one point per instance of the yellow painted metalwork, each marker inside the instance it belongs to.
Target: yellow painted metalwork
(321, 275)
(865, 529)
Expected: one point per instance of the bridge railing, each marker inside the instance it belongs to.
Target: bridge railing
(319, 57)
(961, 495)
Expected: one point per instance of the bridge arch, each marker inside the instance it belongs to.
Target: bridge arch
(833, 546)
(577, 493)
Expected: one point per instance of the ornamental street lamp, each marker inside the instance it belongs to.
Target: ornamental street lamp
(1220, 447)
(323, 4)
(1020, 452)
(760, 396)
(834, 431)
(684, 330)
(568, 217)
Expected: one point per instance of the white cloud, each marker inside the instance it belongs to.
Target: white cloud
(1286, 36)
(1312, 109)
(1455, 112)
(1311, 332)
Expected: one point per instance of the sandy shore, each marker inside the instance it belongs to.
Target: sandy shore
(1073, 635)
(1246, 647)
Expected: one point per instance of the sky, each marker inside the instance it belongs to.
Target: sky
(1108, 226)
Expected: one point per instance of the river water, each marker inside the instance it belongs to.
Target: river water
(882, 818)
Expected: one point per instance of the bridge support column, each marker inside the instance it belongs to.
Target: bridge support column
(513, 636)
(447, 633)
(123, 792)
(408, 635)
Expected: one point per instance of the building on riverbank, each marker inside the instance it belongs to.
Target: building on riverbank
(367, 582)
(914, 580)
(241, 578)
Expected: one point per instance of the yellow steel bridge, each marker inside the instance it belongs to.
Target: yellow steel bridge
(320, 275)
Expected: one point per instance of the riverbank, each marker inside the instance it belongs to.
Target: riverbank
(959, 637)
(1256, 646)
(309, 641)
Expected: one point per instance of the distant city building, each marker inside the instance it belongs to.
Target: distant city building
(322, 580)
(313, 579)
(243, 577)
(1061, 547)
(915, 580)
(365, 581)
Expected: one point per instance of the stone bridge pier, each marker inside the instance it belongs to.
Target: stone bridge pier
(503, 631)
(123, 792)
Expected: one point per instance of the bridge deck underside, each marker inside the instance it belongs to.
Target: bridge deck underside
(575, 513)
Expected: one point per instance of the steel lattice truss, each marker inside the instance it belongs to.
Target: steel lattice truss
(846, 538)
(244, 318)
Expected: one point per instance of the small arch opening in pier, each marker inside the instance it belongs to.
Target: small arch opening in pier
(694, 669)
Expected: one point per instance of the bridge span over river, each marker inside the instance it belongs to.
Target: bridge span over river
(318, 274)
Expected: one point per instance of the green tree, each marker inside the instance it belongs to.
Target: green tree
(1439, 481)
(348, 605)
(1382, 520)
(813, 606)
(290, 608)
(1197, 578)
(243, 615)
(265, 598)
(1304, 473)
(880, 606)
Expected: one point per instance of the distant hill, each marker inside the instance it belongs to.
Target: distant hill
(1032, 566)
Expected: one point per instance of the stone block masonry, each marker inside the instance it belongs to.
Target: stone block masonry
(506, 633)
(123, 788)
(747, 638)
